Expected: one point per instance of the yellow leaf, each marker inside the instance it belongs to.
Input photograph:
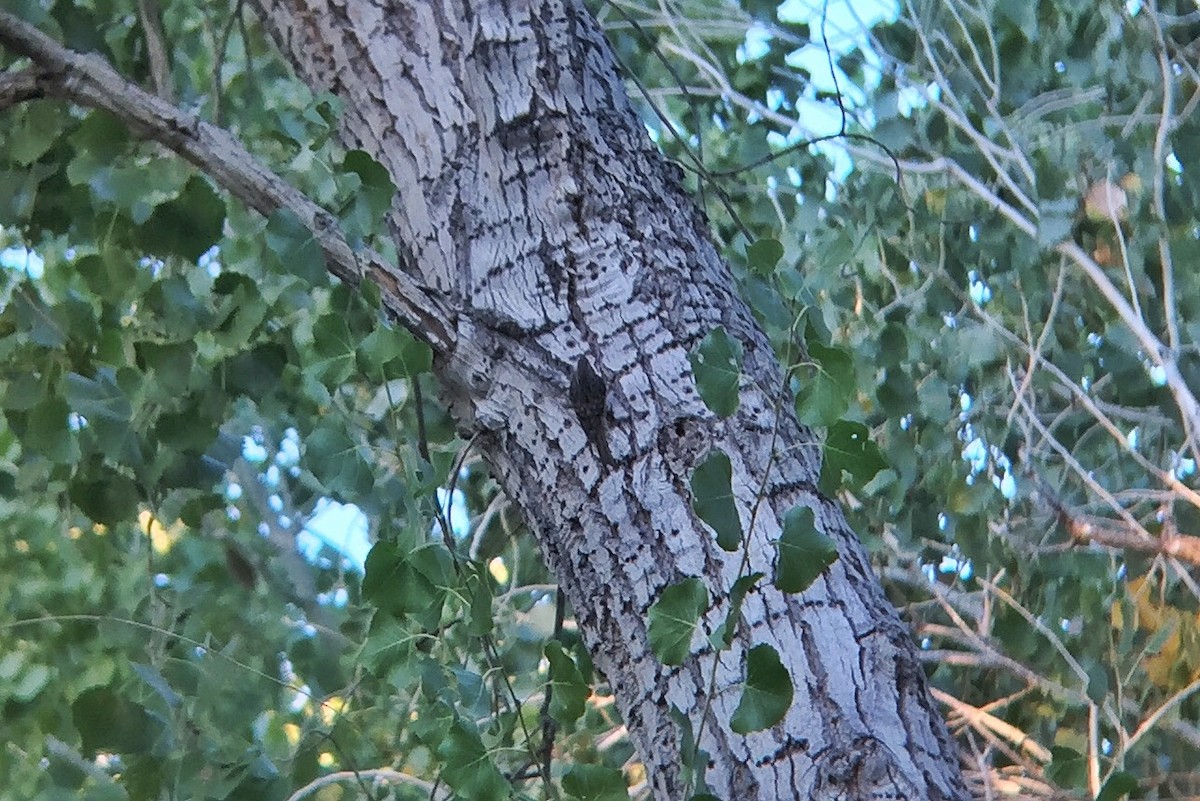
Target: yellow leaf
(1131, 182)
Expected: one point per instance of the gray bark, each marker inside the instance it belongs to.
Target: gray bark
(532, 198)
(539, 224)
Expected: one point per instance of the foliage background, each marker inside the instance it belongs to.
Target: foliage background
(990, 264)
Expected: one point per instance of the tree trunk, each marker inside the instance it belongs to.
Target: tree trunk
(532, 198)
(538, 224)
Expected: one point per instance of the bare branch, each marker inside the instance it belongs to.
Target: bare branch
(985, 721)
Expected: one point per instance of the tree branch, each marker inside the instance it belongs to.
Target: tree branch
(90, 81)
(375, 774)
(156, 49)
(18, 87)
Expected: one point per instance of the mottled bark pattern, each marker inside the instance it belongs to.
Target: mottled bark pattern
(531, 199)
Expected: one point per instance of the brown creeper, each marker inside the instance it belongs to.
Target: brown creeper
(589, 398)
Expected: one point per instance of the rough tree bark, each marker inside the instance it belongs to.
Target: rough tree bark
(539, 224)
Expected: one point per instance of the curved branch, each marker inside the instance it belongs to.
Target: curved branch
(90, 81)
(376, 774)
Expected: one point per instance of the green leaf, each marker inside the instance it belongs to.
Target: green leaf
(157, 682)
(101, 136)
(23, 392)
(849, 448)
(335, 348)
(111, 275)
(433, 726)
(407, 582)
(804, 552)
(717, 367)
(474, 694)
(394, 347)
(1022, 15)
(1098, 685)
(34, 127)
(897, 394)
(377, 186)
(722, 637)
(673, 618)
(105, 406)
(713, 501)
(763, 255)
(181, 313)
(767, 694)
(293, 250)
(826, 394)
(468, 768)
(186, 226)
(390, 646)
(371, 194)
(107, 722)
(18, 193)
(33, 680)
(46, 432)
(1067, 768)
(1119, 784)
(43, 324)
(481, 619)
(595, 783)
(108, 498)
(171, 364)
(240, 310)
(256, 373)
(569, 692)
(893, 345)
(195, 508)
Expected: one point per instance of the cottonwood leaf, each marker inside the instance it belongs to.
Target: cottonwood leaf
(722, 637)
(763, 255)
(293, 249)
(107, 498)
(403, 581)
(187, 225)
(1119, 785)
(804, 551)
(673, 618)
(335, 348)
(849, 448)
(767, 694)
(712, 499)
(468, 769)
(717, 367)
(569, 691)
(108, 722)
(595, 783)
(826, 394)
